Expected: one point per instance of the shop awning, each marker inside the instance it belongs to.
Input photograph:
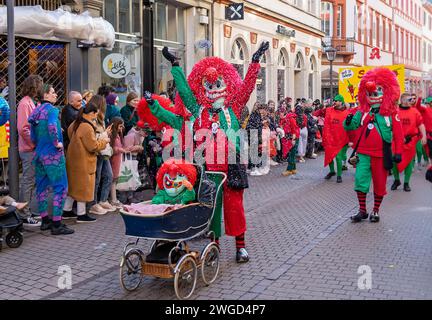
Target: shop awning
(60, 25)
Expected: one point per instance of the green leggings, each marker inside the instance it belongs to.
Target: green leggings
(292, 157)
(421, 152)
(341, 156)
(408, 172)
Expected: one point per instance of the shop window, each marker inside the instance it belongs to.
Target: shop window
(281, 75)
(111, 12)
(124, 16)
(161, 21)
(327, 18)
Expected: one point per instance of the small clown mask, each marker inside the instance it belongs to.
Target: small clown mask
(173, 183)
(374, 94)
(215, 87)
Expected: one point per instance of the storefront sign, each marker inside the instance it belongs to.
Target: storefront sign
(235, 11)
(349, 79)
(285, 32)
(116, 66)
(375, 54)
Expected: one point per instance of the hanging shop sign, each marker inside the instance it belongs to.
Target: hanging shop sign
(116, 66)
(235, 11)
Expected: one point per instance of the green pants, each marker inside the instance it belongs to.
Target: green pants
(421, 152)
(292, 157)
(341, 156)
(216, 223)
(408, 172)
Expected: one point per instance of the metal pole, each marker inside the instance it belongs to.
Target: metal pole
(13, 149)
(331, 79)
(148, 49)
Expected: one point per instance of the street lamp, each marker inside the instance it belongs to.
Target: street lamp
(331, 55)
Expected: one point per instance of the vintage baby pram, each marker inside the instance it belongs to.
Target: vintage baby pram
(10, 221)
(170, 256)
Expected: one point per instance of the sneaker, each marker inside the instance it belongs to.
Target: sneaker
(374, 217)
(287, 173)
(255, 172)
(330, 175)
(294, 171)
(117, 204)
(61, 230)
(31, 222)
(46, 225)
(274, 163)
(97, 209)
(85, 219)
(314, 155)
(107, 206)
(242, 256)
(302, 160)
(395, 185)
(68, 215)
(264, 170)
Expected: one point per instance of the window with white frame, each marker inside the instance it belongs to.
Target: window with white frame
(238, 57)
(281, 74)
(339, 23)
(327, 18)
(298, 62)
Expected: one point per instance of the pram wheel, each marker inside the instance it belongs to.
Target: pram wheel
(131, 270)
(185, 277)
(14, 239)
(210, 264)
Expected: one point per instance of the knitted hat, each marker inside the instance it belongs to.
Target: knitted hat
(339, 98)
(428, 100)
(111, 98)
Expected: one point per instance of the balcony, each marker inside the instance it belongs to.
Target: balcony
(344, 46)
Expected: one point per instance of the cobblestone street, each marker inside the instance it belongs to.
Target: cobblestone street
(301, 241)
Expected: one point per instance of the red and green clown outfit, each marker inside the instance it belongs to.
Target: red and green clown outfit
(335, 138)
(379, 126)
(411, 120)
(215, 95)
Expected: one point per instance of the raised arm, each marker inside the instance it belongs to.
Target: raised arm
(163, 115)
(249, 83)
(182, 85)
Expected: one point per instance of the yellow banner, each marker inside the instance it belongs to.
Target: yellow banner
(349, 79)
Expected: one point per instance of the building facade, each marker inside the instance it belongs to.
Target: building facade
(427, 49)
(377, 33)
(291, 67)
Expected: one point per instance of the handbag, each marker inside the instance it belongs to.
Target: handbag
(129, 179)
(387, 151)
(237, 176)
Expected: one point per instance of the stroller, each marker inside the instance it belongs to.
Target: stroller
(9, 220)
(170, 256)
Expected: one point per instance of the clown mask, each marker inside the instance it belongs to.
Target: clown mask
(214, 87)
(174, 185)
(374, 94)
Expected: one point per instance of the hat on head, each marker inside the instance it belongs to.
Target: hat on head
(111, 98)
(428, 100)
(339, 98)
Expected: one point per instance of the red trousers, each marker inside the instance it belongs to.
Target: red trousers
(234, 214)
(371, 168)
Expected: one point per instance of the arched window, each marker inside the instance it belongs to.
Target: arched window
(238, 57)
(281, 74)
(327, 18)
(311, 77)
(298, 63)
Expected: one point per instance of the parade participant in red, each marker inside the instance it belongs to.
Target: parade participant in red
(335, 138)
(412, 126)
(379, 126)
(426, 112)
(215, 95)
(290, 141)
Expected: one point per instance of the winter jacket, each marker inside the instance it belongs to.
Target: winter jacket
(68, 115)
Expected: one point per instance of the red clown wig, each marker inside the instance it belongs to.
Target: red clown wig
(387, 80)
(212, 68)
(174, 167)
(146, 116)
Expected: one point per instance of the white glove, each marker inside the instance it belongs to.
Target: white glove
(280, 132)
(5, 92)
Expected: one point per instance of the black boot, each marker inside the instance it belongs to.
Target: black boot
(407, 187)
(395, 185)
(339, 179)
(359, 216)
(242, 256)
(58, 229)
(330, 175)
(374, 217)
(46, 224)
